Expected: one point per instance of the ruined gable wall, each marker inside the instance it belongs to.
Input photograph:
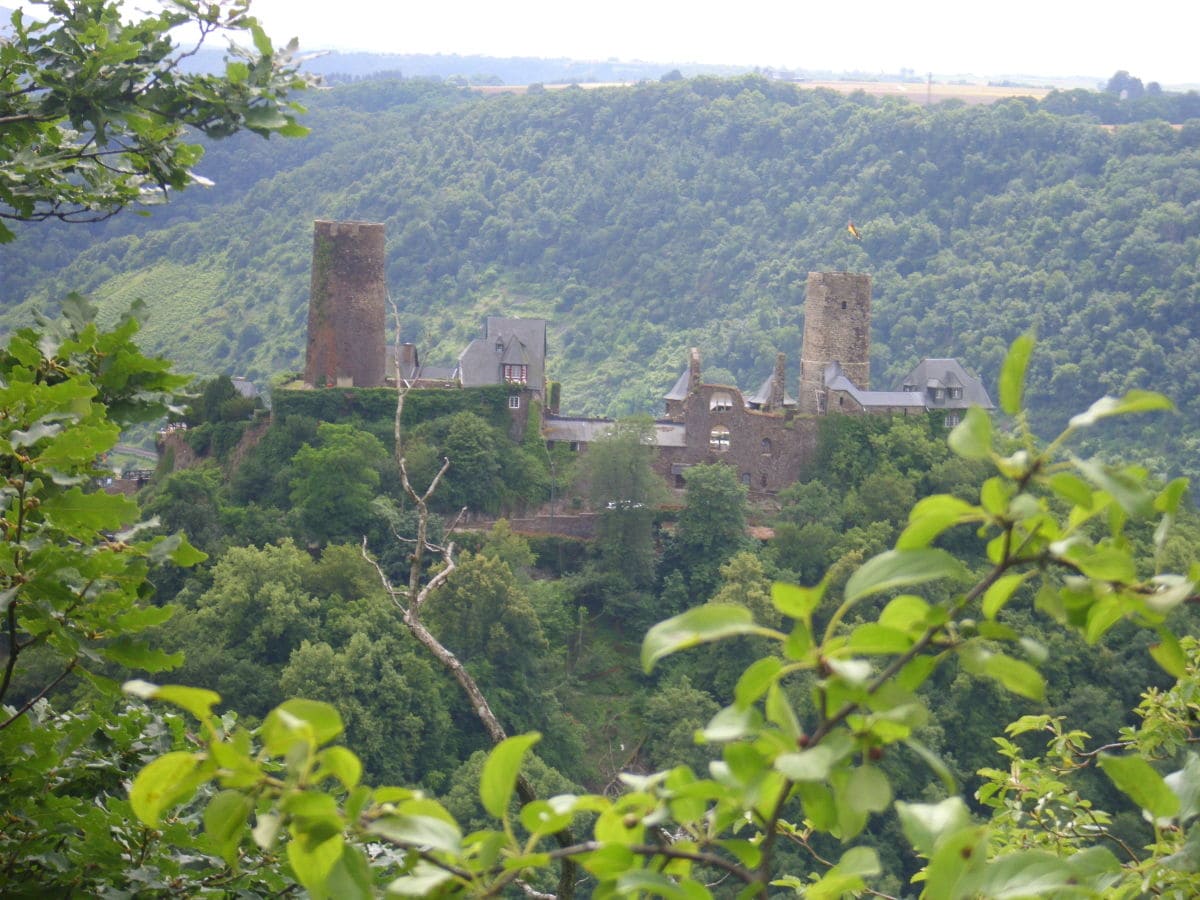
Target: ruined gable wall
(771, 448)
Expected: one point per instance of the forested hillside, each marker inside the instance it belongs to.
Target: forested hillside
(644, 220)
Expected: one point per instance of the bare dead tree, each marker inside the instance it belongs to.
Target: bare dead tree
(410, 599)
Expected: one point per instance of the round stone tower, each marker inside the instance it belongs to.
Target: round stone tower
(347, 315)
(837, 328)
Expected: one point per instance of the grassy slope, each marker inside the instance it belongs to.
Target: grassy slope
(642, 221)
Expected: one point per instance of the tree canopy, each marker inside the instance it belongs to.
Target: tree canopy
(100, 111)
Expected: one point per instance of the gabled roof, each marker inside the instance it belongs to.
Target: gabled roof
(944, 373)
(763, 395)
(680, 390)
(835, 380)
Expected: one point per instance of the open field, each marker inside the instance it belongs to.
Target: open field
(917, 92)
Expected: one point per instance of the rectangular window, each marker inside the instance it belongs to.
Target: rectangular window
(952, 419)
(514, 401)
(516, 374)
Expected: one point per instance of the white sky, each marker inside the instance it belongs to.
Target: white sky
(1155, 40)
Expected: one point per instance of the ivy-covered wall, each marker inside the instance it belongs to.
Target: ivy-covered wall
(379, 404)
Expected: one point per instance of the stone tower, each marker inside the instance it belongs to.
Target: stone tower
(837, 328)
(347, 315)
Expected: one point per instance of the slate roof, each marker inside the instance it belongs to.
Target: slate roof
(835, 380)
(505, 342)
(585, 431)
(680, 390)
(946, 373)
(763, 395)
(244, 386)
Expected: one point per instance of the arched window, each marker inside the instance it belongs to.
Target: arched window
(746, 479)
(766, 445)
(720, 401)
(718, 439)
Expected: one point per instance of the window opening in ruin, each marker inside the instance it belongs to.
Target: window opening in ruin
(843, 304)
(514, 401)
(746, 479)
(766, 445)
(718, 439)
(762, 479)
(720, 402)
(514, 374)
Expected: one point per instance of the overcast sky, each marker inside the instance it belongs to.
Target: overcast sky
(1154, 40)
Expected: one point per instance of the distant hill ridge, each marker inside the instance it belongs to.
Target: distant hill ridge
(649, 219)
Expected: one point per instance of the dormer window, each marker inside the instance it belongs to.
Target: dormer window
(954, 393)
(935, 393)
(909, 388)
(720, 401)
(516, 374)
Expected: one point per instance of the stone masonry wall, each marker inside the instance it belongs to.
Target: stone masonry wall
(347, 315)
(837, 328)
(768, 450)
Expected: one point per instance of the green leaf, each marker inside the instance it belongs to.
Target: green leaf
(872, 639)
(350, 878)
(198, 701)
(1169, 655)
(1128, 489)
(164, 782)
(815, 763)
(126, 651)
(313, 861)
(701, 625)
(262, 43)
(423, 881)
(1073, 490)
(1015, 675)
(1012, 374)
(339, 763)
(1000, 592)
(300, 721)
(933, 515)
(81, 515)
(499, 777)
(795, 601)
(972, 437)
(1138, 780)
(899, 568)
(906, 612)
(656, 884)
(935, 762)
(540, 817)
(225, 821)
(925, 824)
(1133, 402)
(418, 831)
(818, 803)
(1185, 783)
(756, 679)
(1029, 875)
(868, 789)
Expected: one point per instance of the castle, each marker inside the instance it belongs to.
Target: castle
(767, 435)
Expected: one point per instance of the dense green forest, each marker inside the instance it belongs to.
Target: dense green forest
(644, 220)
(385, 664)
